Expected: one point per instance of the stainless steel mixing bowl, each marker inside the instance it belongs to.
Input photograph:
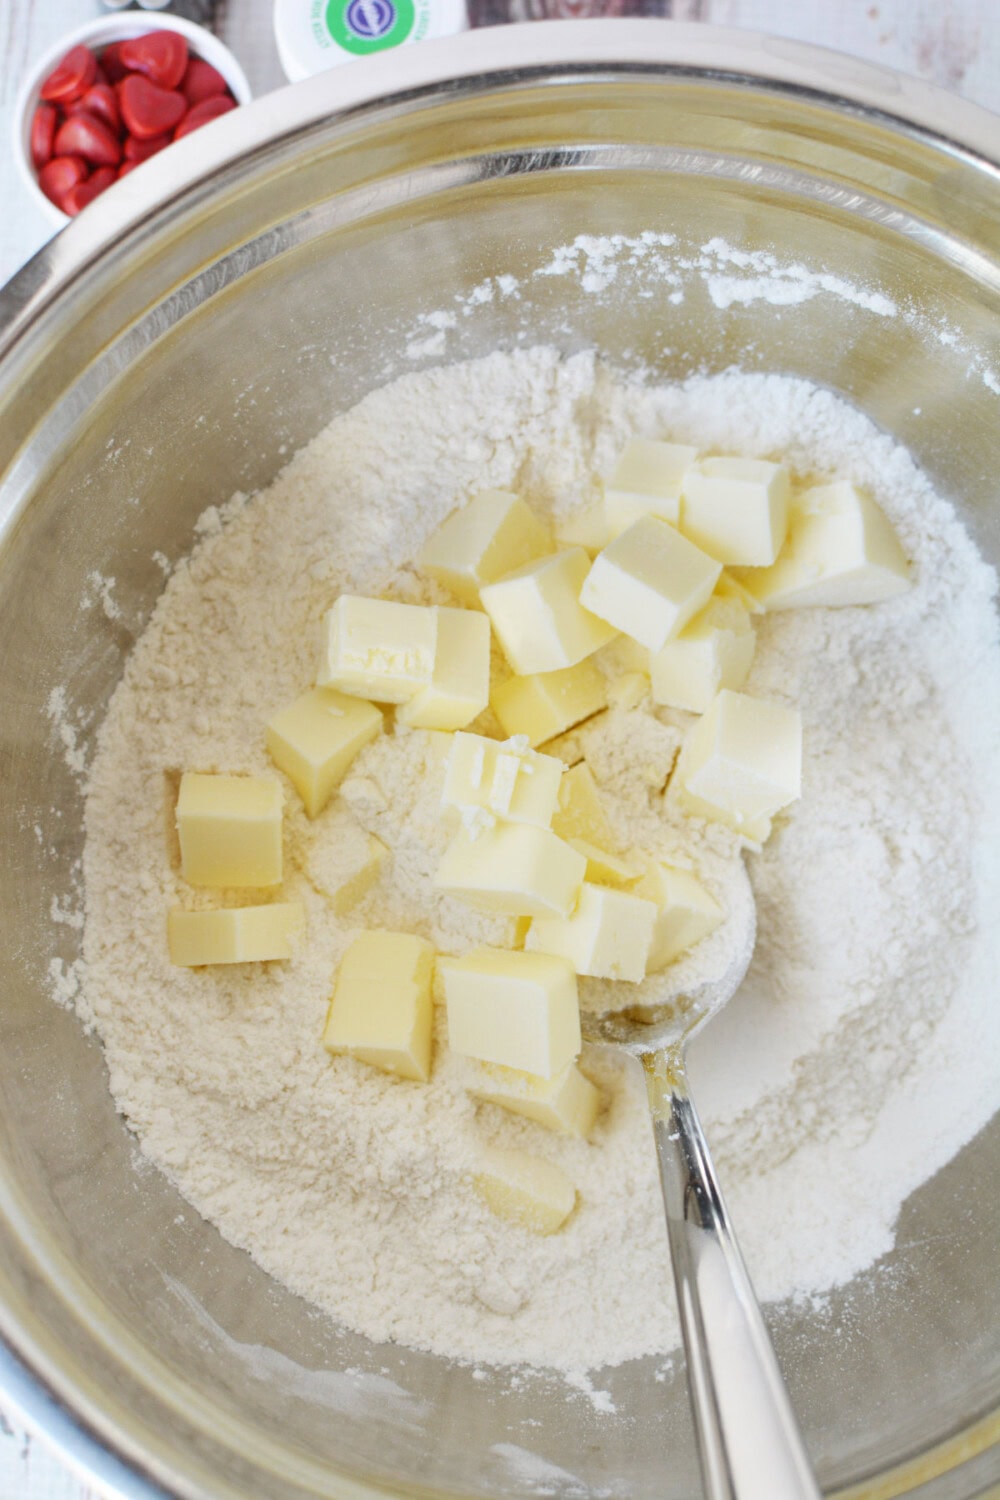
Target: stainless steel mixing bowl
(175, 344)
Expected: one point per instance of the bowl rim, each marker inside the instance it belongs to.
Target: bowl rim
(101, 32)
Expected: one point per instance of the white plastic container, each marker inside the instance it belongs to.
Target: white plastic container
(313, 35)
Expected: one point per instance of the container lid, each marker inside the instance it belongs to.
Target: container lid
(313, 35)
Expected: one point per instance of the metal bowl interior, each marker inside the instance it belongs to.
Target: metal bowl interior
(176, 346)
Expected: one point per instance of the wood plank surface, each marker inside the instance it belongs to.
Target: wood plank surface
(955, 43)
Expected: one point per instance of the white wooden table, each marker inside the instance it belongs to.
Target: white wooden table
(955, 43)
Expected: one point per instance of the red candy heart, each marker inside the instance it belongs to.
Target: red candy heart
(137, 151)
(161, 55)
(202, 81)
(102, 101)
(43, 130)
(200, 114)
(87, 136)
(147, 109)
(71, 77)
(85, 192)
(112, 64)
(59, 175)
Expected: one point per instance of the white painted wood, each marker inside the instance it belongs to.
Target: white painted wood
(955, 43)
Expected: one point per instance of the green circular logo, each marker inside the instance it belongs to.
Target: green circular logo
(369, 25)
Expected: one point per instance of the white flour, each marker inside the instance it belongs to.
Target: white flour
(855, 1062)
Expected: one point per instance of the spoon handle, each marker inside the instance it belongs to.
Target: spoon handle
(748, 1439)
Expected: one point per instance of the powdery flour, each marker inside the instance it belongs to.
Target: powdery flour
(855, 1061)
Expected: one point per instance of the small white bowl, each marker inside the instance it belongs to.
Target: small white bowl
(97, 34)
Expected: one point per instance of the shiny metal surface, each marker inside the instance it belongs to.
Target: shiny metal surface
(173, 345)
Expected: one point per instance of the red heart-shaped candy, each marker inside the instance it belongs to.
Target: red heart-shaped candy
(161, 55)
(147, 109)
(87, 136)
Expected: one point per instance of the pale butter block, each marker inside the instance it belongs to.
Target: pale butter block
(512, 868)
(741, 762)
(731, 587)
(546, 704)
(608, 935)
(517, 1009)
(230, 829)
(685, 913)
(378, 649)
(236, 935)
(649, 582)
(646, 482)
(736, 509)
(345, 862)
(841, 550)
(580, 814)
(505, 778)
(315, 739)
(492, 535)
(586, 528)
(604, 868)
(534, 1194)
(568, 1103)
(714, 650)
(537, 615)
(382, 1011)
(460, 686)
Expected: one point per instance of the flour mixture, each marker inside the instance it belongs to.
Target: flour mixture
(855, 1061)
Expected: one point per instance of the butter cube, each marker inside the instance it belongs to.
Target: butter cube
(460, 686)
(649, 581)
(512, 868)
(375, 648)
(517, 1009)
(741, 762)
(535, 1195)
(608, 935)
(345, 862)
(586, 528)
(507, 779)
(646, 482)
(604, 868)
(537, 615)
(713, 651)
(736, 509)
(545, 704)
(841, 550)
(230, 830)
(492, 535)
(235, 935)
(731, 587)
(580, 814)
(568, 1103)
(685, 913)
(381, 1011)
(315, 739)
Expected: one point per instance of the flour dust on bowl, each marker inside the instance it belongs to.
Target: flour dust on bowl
(738, 244)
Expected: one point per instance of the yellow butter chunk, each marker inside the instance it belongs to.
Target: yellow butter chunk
(567, 1103)
(741, 762)
(537, 614)
(230, 830)
(685, 913)
(714, 650)
(580, 814)
(841, 550)
(534, 1194)
(492, 535)
(236, 935)
(545, 704)
(736, 509)
(375, 648)
(507, 779)
(604, 868)
(608, 935)
(649, 581)
(586, 528)
(381, 1011)
(646, 482)
(315, 739)
(460, 686)
(514, 868)
(517, 1009)
(345, 862)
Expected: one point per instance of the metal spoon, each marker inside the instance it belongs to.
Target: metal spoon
(748, 1439)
